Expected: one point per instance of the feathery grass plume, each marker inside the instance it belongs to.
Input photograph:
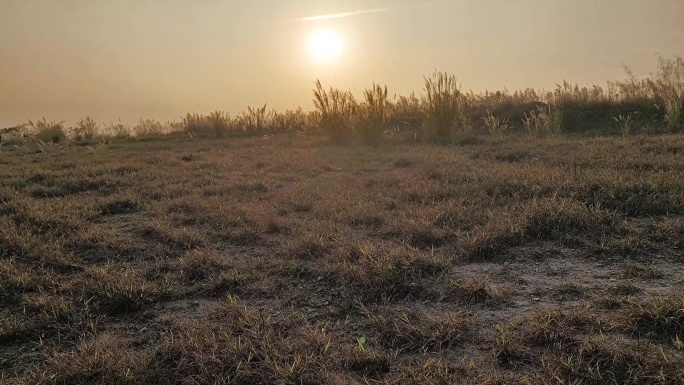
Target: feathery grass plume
(569, 94)
(625, 123)
(496, 125)
(219, 121)
(256, 120)
(11, 134)
(117, 130)
(664, 89)
(404, 106)
(195, 122)
(668, 85)
(336, 110)
(291, 120)
(85, 129)
(174, 125)
(45, 131)
(148, 127)
(443, 106)
(374, 114)
(545, 120)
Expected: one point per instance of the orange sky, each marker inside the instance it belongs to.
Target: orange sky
(132, 59)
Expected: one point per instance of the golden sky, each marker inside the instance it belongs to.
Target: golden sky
(132, 59)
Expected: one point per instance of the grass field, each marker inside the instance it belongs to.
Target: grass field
(501, 259)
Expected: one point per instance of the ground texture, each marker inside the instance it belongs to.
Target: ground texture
(502, 259)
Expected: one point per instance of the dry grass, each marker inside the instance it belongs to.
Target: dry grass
(443, 107)
(336, 109)
(192, 259)
(653, 103)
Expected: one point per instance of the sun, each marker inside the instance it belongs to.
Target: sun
(325, 45)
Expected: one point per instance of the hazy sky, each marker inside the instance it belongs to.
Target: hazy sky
(132, 59)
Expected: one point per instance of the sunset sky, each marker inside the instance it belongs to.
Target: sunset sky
(132, 59)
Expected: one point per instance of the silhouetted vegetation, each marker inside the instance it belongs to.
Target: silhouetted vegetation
(211, 251)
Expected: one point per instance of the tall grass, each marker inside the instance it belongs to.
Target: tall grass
(406, 106)
(47, 131)
(496, 125)
(374, 111)
(336, 110)
(196, 122)
(291, 120)
(567, 94)
(149, 127)
(544, 120)
(443, 106)
(219, 122)
(625, 123)
(654, 101)
(117, 130)
(669, 85)
(256, 119)
(85, 129)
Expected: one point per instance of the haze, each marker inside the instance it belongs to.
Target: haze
(133, 59)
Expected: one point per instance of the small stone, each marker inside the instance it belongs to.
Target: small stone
(536, 299)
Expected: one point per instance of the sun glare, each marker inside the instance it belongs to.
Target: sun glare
(325, 45)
